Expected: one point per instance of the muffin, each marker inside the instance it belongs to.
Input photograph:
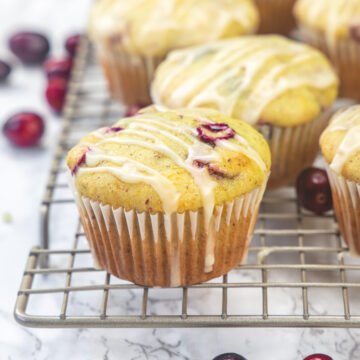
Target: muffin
(170, 198)
(340, 145)
(133, 37)
(276, 16)
(333, 26)
(283, 88)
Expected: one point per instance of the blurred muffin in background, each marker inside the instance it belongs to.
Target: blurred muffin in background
(133, 36)
(276, 16)
(340, 145)
(333, 26)
(283, 88)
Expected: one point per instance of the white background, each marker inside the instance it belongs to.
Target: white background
(23, 175)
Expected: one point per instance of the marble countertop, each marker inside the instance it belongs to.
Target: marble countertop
(23, 177)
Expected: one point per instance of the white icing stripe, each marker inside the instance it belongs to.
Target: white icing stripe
(345, 120)
(133, 172)
(232, 72)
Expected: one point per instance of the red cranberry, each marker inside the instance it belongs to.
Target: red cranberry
(60, 67)
(313, 190)
(318, 357)
(72, 43)
(55, 93)
(81, 161)
(29, 47)
(209, 133)
(229, 356)
(5, 70)
(24, 129)
(114, 129)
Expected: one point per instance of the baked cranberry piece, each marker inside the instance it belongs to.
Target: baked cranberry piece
(313, 190)
(58, 67)
(55, 93)
(72, 43)
(229, 356)
(318, 357)
(29, 47)
(212, 169)
(114, 129)
(5, 70)
(81, 161)
(212, 132)
(24, 129)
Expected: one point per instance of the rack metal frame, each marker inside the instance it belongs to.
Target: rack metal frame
(88, 106)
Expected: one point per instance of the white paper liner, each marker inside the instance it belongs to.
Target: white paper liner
(345, 57)
(170, 250)
(346, 198)
(129, 76)
(276, 16)
(292, 148)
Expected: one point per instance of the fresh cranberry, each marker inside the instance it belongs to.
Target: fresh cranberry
(313, 190)
(24, 129)
(60, 67)
(29, 47)
(229, 356)
(55, 93)
(5, 70)
(133, 110)
(81, 161)
(209, 133)
(72, 43)
(318, 357)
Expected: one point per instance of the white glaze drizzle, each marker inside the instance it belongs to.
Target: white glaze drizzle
(235, 65)
(349, 121)
(132, 171)
(333, 17)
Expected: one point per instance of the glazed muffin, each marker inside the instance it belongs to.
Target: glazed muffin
(333, 26)
(276, 16)
(283, 88)
(170, 198)
(340, 145)
(133, 37)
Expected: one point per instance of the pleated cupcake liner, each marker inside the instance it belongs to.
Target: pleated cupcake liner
(345, 57)
(128, 76)
(293, 149)
(276, 16)
(346, 199)
(170, 250)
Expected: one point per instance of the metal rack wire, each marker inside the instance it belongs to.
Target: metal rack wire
(298, 272)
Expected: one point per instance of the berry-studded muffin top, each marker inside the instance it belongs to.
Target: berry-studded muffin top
(340, 143)
(258, 79)
(170, 161)
(334, 18)
(154, 27)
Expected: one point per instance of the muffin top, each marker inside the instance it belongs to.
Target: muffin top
(154, 27)
(340, 143)
(258, 79)
(336, 19)
(170, 161)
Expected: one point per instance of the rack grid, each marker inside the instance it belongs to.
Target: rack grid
(298, 272)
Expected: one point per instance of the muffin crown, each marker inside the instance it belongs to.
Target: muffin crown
(334, 18)
(340, 143)
(154, 27)
(258, 79)
(170, 161)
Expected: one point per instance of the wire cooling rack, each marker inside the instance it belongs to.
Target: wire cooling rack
(298, 272)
